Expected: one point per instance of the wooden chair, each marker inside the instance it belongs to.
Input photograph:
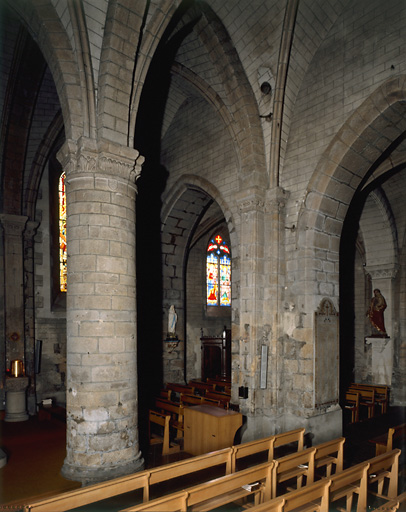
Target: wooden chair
(385, 468)
(352, 404)
(349, 482)
(330, 455)
(311, 498)
(163, 421)
(294, 466)
(385, 442)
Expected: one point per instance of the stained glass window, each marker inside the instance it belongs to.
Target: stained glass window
(218, 273)
(62, 234)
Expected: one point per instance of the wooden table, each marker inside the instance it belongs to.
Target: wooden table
(209, 428)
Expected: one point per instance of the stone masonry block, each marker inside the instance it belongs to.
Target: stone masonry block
(111, 345)
(96, 329)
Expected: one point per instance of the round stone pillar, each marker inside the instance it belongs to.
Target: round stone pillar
(102, 417)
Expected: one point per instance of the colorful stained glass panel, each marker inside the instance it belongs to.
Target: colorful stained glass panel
(212, 279)
(62, 235)
(225, 281)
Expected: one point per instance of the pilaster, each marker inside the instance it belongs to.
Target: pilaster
(13, 228)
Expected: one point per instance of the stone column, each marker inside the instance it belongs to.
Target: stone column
(102, 397)
(13, 227)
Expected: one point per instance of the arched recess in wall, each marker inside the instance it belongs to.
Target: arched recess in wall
(368, 148)
(194, 208)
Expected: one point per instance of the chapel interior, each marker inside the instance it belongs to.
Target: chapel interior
(195, 190)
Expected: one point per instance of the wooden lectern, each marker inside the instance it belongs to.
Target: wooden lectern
(209, 428)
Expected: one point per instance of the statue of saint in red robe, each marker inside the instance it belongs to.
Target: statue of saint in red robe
(375, 312)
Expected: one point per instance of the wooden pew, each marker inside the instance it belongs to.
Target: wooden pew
(220, 491)
(367, 399)
(186, 467)
(381, 393)
(162, 420)
(179, 388)
(291, 437)
(142, 480)
(268, 444)
(311, 498)
(91, 494)
(296, 466)
(223, 398)
(175, 502)
(385, 442)
(252, 448)
(201, 387)
(385, 467)
(351, 481)
(175, 411)
(352, 404)
(329, 454)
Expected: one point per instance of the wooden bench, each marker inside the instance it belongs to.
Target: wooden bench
(187, 467)
(223, 398)
(216, 493)
(253, 448)
(91, 494)
(367, 399)
(330, 454)
(385, 442)
(268, 444)
(349, 482)
(312, 497)
(163, 421)
(352, 404)
(175, 502)
(142, 480)
(291, 437)
(296, 466)
(175, 411)
(382, 468)
(177, 389)
(381, 393)
(201, 387)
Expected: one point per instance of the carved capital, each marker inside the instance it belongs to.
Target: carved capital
(382, 272)
(276, 199)
(13, 225)
(251, 200)
(102, 157)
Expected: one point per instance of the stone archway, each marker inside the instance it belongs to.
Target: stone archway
(360, 152)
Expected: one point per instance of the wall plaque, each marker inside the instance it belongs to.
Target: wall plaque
(326, 372)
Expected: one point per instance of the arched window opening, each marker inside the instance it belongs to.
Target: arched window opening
(62, 234)
(218, 273)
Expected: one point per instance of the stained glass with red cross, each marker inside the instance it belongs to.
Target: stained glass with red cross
(218, 273)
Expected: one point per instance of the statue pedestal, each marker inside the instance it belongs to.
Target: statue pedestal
(16, 402)
(382, 359)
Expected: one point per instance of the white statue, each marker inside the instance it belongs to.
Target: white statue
(172, 319)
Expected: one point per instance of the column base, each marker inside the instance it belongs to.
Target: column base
(93, 475)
